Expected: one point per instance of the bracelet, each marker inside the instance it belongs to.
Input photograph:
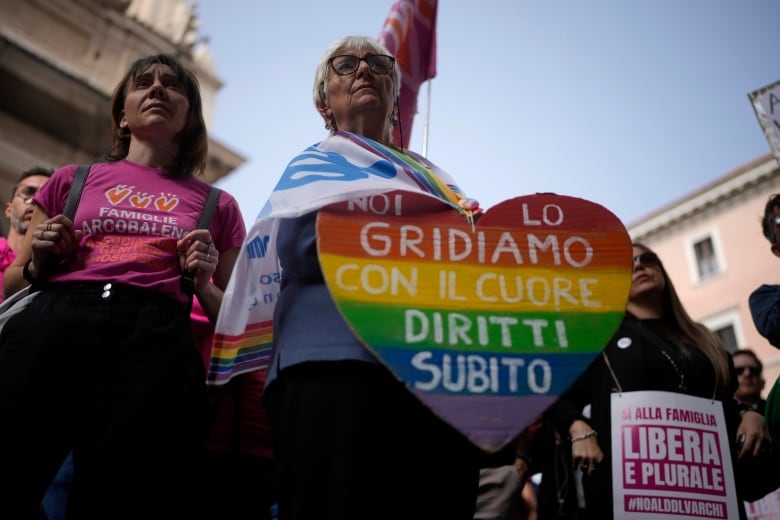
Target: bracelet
(583, 436)
(26, 272)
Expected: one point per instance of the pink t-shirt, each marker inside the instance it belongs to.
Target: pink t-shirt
(7, 257)
(132, 216)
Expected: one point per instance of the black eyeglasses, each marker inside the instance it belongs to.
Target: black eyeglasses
(647, 260)
(346, 64)
(753, 371)
(26, 193)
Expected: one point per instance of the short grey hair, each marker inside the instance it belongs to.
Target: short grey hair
(350, 43)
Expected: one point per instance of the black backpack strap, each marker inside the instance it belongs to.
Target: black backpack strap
(210, 208)
(70, 211)
(75, 190)
(206, 216)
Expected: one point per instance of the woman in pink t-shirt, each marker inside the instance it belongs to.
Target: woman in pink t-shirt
(103, 363)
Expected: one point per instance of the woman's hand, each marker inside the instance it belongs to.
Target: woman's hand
(752, 435)
(585, 450)
(47, 240)
(198, 255)
(211, 268)
(523, 469)
(53, 238)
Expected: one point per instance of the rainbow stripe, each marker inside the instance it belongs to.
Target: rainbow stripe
(342, 167)
(541, 280)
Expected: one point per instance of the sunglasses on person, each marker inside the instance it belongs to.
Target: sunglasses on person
(346, 64)
(753, 371)
(647, 259)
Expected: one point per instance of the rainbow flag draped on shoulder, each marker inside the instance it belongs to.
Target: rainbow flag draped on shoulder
(342, 167)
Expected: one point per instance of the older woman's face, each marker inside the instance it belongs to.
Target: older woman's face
(358, 95)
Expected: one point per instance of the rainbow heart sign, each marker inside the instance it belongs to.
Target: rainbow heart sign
(485, 324)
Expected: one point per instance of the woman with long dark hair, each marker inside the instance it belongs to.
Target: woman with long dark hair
(658, 347)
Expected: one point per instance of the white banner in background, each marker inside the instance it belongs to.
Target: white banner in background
(768, 508)
(766, 104)
(671, 458)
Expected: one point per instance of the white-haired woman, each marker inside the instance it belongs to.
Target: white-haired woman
(350, 441)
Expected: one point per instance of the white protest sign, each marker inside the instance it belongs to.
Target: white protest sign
(671, 458)
(766, 104)
(768, 508)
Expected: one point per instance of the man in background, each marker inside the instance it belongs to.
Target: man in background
(751, 381)
(18, 210)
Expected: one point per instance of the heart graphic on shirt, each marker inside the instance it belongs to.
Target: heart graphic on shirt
(140, 201)
(118, 194)
(485, 324)
(163, 203)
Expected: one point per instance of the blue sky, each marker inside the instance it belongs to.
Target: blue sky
(629, 104)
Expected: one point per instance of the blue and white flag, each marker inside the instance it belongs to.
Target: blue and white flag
(342, 167)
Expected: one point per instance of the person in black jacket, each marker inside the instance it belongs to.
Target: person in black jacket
(765, 300)
(658, 347)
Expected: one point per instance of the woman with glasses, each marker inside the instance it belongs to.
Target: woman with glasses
(658, 347)
(350, 442)
(103, 362)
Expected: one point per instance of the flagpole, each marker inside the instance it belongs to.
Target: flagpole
(427, 117)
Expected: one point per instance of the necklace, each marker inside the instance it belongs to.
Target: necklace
(653, 326)
(681, 385)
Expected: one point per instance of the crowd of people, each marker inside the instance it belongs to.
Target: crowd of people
(104, 406)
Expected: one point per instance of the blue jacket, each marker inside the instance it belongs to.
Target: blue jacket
(765, 308)
(307, 324)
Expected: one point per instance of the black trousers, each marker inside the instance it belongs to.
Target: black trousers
(113, 376)
(350, 443)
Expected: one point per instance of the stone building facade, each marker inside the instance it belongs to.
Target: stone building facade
(59, 63)
(711, 244)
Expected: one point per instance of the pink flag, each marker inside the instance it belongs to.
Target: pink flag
(410, 35)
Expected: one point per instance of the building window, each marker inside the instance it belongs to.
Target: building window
(726, 326)
(728, 337)
(706, 259)
(705, 256)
